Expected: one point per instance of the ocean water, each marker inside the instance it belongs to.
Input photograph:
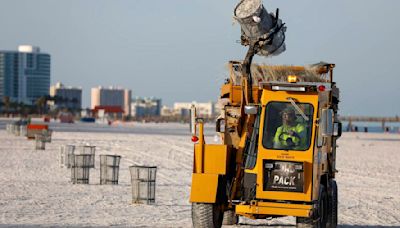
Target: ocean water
(372, 127)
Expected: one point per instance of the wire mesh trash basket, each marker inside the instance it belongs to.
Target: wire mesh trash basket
(88, 150)
(40, 143)
(109, 169)
(22, 130)
(66, 155)
(80, 168)
(143, 180)
(47, 135)
(8, 128)
(16, 130)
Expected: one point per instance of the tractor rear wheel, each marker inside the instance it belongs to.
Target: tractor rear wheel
(206, 215)
(230, 218)
(320, 220)
(332, 205)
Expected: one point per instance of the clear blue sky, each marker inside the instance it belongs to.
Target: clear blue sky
(177, 49)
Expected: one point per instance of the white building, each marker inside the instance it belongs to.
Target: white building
(203, 109)
(66, 96)
(145, 107)
(111, 96)
(167, 111)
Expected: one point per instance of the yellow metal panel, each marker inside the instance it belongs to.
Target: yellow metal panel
(237, 91)
(284, 205)
(299, 156)
(274, 209)
(226, 89)
(204, 188)
(198, 158)
(215, 159)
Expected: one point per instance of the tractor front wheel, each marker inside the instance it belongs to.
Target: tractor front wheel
(206, 215)
(230, 218)
(320, 219)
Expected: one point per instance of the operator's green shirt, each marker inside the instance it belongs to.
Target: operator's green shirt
(282, 134)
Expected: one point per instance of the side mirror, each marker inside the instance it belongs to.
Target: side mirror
(251, 109)
(193, 120)
(326, 122)
(337, 129)
(220, 126)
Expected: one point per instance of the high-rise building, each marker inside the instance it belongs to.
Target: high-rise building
(24, 74)
(146, 107)
(111, 97)
(127, 102)
(66, 96)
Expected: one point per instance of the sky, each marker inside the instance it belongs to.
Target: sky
(177, 50)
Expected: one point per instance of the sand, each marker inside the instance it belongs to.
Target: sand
(34, 190)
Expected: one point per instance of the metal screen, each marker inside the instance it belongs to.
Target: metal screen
(143, 184)
(47, 135)
(88, 150)
(80, 169)
(22, 130)
(109, 168)
(39, 142)
(66, 155)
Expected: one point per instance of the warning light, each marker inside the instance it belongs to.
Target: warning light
(321, 88)
(195, 138)
(292, 78)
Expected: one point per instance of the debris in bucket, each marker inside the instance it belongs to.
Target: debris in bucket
(247, 7)
(259, 28)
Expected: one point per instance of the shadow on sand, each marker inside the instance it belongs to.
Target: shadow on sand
(241, 224)
(340, 226)
(359, 226)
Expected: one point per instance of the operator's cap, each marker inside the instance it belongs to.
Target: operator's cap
(289, 111)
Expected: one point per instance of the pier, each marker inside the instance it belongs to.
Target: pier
(382, 120)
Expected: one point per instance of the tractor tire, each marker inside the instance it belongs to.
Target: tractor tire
(206, 215)
(332, 205)
(230, 218)
(320, 219)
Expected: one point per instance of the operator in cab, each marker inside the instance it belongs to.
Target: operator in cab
(291, 134)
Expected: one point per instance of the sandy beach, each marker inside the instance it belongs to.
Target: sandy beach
(36, 191)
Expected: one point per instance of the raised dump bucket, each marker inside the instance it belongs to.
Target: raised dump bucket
(66, 155)
(256, 23)
(88, 150)
(143, 184)
(40, 143)
(109, 168)
(80, 168)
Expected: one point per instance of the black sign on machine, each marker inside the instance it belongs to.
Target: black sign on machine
(283, 176)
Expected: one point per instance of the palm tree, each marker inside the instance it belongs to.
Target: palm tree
(41, 103)
(6, 101)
